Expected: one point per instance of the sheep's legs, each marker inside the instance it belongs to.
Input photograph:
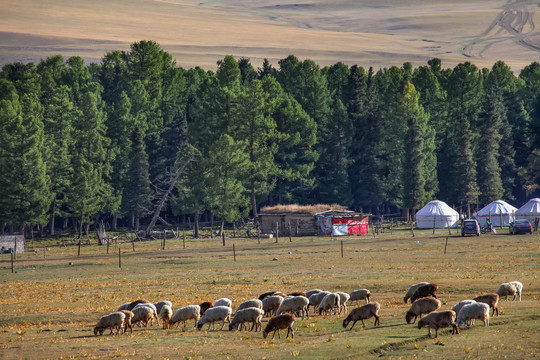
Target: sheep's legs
(377, 321)
(354, 323)
(363, 325)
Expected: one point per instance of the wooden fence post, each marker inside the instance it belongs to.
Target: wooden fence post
(223, 236)
(342, 248)
(412, 229)
(290, 235)
(79, 248)
(119, 259)
(132, 244)
(234, 252)
(108, 246)
(277, 232)
(445, 244)
(434, 223)
(12, 258)
(258, 235)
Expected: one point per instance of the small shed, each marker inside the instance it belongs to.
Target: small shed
(294, 224)
(12, 243)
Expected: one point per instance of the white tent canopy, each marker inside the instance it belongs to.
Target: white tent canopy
(498, 210)
(529, 211)
(436, 213)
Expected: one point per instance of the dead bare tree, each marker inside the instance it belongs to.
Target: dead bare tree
(169, 186)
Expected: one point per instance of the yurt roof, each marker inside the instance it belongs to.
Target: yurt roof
(497, 207)
(436, 207)
(532, 207)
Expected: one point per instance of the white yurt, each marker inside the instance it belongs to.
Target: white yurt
(529, 211)
(437, 213)
(497, 210)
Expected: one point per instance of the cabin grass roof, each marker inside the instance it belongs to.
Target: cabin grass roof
(300, 209)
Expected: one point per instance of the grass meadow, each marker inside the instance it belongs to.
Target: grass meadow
(50, 306)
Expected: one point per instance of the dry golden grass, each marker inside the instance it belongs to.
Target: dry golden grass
(377, 33)
(305, 209)
(50, 307)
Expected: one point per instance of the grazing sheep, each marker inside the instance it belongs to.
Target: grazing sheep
(422, 306)
(160, 304)
(135, 303)
(276, 323)
(491, 299)
(297, 293)
(457, 308)
(425, 290)
(112, 321)
(510, 288)
(142, 314)
(343, 298)
(205, 306)
(123, 307)
(223, 302)
(412, 290)
(439, 320)
(151, 306)
(270, 304)
(127, 320)
(329, 303)
(311, 292)
(363, 313)
(217, 313)
(473, 311)
(360, 294)
(315, 299)
(165, 315)
(250, 303)
(293, 305)
(186, 313)
(251, 314)
(271, 293)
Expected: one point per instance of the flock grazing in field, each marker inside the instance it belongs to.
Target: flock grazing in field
(285, 308)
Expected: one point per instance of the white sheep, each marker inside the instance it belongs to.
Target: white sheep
(159, 304)
(251, 314)
(329, 303)
(270, 304)
(112, 321)
(293, 305)
(217, 313)
(250, 303)
(412, 290)
(142, 314)
(456, 308)
(473, 311)
(510, 288)
(165, 315)
(151, 306)
(186, 313)
(315, 299)
(359, 294)
(312, 291)
(343, 298)
(223, 302)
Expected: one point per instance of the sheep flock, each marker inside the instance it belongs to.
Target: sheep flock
(284, 309)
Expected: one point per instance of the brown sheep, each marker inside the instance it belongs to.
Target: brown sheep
(425, 290)
(411, 290)
(205, 306)
(363, 313)
(127, 320)
(422, 306)
(491, 299)
(439, 320)
(284, 321)
(297, 293)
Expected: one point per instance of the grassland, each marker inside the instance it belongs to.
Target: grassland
(377, 33)
(49, 307)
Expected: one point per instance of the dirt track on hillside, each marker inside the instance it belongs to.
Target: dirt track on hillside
(515, 22)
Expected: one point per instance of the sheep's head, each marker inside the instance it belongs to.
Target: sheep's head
(409, 316)
(95, 331)
(265, 334)
(200, 324)
(233, 326)
(421, 323)
(346, 323)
